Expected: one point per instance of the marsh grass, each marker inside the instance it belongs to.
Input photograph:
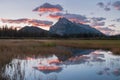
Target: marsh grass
(10, 49)
(112, 45)
(48, 44)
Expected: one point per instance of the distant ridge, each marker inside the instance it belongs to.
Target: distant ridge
(33, 31)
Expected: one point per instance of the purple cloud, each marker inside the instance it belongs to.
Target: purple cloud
(17, 21)
(107, 6)
(117, 20)
(116, 5)
(107, 30)
(101, 4)
(72, 17)
(98, 18)
(33, 22)
(46, 7)
(112, 25)
(107, 9)
(97, 21)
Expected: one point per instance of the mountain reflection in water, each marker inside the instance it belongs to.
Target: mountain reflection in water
(82, 65)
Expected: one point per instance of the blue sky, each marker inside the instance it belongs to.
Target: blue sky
(17, 9)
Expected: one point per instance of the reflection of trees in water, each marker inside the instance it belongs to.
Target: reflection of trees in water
(21, 70)
(13, 71)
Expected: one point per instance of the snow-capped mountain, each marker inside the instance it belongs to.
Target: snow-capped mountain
(66, 27)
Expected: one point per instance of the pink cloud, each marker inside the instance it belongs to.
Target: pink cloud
(116, 5)
(72, 17)
(49, 8)
(32, 22)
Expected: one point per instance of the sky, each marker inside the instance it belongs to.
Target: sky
(103, 15)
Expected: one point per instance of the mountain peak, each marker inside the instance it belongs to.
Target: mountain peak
(63, 20)
(66, 27)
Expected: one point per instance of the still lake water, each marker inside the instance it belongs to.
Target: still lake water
(82, 65)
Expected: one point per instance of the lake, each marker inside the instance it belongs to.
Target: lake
(83, 64)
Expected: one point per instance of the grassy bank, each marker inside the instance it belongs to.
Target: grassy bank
(14, 48)
(113, 45)
(32, 46)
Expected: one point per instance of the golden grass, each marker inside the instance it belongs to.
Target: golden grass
(113, 45)
(10, 49)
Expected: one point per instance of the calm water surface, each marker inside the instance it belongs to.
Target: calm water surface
(82, 65)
